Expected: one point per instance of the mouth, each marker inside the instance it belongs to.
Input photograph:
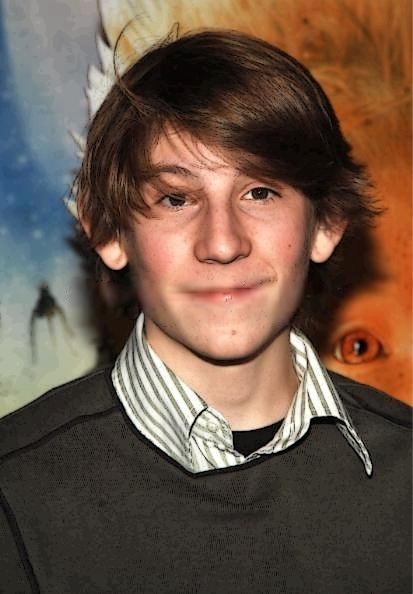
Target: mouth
(227, 294)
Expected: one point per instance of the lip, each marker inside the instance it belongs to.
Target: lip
(225, 294)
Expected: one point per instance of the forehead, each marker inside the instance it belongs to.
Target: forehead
(181, 154)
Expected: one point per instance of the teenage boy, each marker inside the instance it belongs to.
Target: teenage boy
(218, 455)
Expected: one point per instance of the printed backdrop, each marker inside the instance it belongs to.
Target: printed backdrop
(45, 49)
(358, 49)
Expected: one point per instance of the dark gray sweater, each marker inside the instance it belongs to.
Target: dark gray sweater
(90, 506)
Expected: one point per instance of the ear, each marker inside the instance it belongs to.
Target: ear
(325, 239)
(112, 253)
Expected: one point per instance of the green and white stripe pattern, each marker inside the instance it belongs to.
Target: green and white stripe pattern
(178, 421)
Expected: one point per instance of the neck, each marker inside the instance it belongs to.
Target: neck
(249, 394)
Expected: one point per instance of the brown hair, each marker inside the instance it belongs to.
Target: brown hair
(231, 91)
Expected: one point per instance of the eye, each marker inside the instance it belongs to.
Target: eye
(173, 201)
(261, 194)
(358, 346)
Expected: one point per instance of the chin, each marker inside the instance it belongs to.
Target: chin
(230, 351)
(217, 341)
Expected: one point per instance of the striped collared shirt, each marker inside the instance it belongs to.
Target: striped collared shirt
(178, 421)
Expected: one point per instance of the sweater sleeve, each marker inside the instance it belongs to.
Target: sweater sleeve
(14, 578)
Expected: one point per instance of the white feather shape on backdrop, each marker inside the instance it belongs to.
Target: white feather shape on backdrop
(141, 23)
(99, 85)
(134, 26)
(80, 142)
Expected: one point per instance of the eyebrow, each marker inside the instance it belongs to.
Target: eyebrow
(174, 169)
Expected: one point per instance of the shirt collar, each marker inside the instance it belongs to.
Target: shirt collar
(166, 410)
(316, 397)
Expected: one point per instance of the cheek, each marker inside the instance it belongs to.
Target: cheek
(289, 248)
(153, 260)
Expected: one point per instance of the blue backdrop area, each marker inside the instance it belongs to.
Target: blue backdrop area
(42, 75)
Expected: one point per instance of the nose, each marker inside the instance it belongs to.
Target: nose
(222, 237)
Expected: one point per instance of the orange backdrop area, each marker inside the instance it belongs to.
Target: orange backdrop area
(360, 51)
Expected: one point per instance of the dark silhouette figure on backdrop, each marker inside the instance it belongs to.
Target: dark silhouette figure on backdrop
(47, 307)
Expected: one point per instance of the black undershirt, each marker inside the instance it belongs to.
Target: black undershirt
(246, 442)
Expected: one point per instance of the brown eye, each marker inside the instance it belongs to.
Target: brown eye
(173, 201)
(358, 346)
(260, 193)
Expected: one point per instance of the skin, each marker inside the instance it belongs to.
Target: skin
(219, 266)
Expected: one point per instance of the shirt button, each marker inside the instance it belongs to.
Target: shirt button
(212, 427)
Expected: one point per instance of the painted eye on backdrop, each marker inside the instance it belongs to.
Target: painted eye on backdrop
(357, 346)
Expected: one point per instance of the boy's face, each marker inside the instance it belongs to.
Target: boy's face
(221, 263)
